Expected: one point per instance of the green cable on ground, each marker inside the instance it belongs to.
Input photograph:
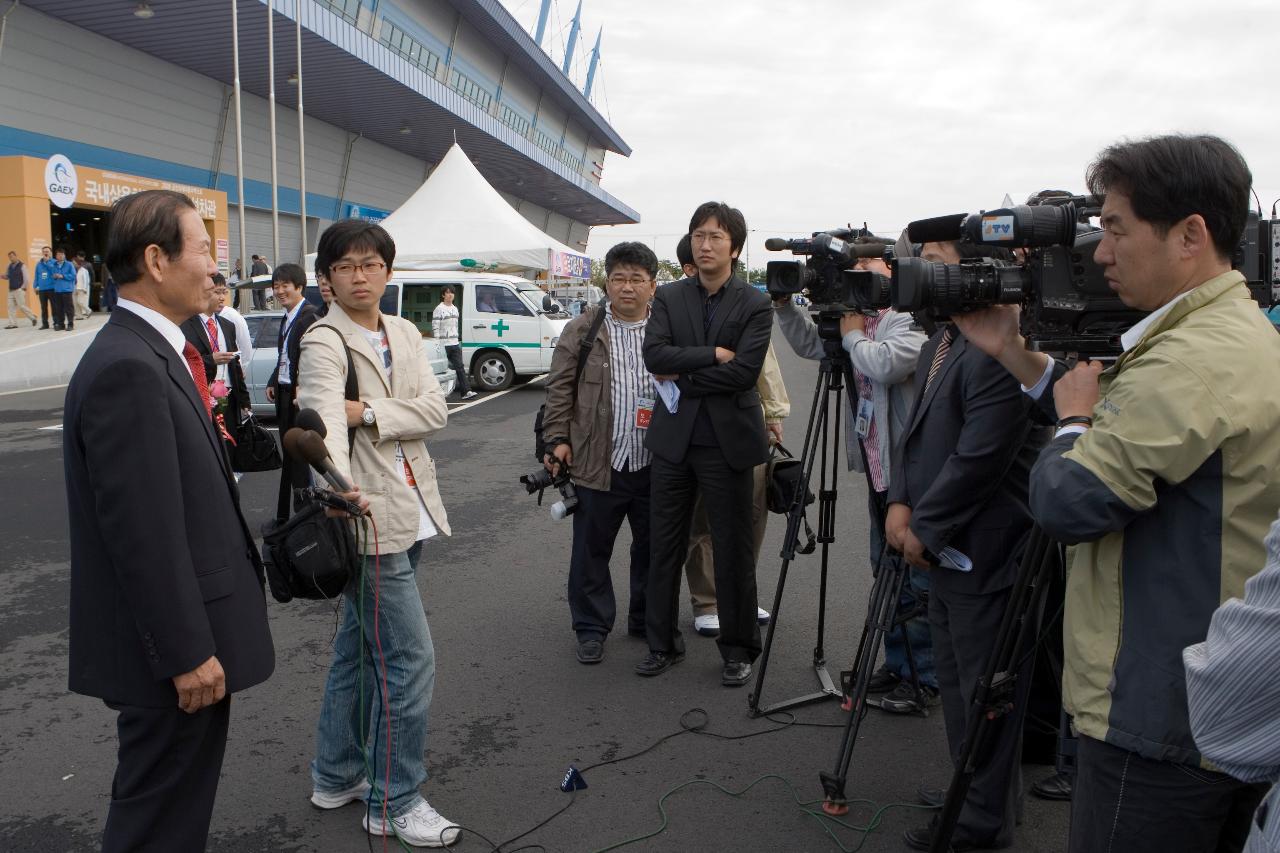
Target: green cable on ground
(823, 819)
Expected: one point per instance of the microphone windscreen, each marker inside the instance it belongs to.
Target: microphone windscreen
(776, 244)
(939, 229)
(290, 442)
(311, 447)
(310, 419)
(868, 250)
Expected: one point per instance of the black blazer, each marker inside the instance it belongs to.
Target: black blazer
(164, 572)
(964, 462)
(307, 315)
(195, 332)
(674, 343)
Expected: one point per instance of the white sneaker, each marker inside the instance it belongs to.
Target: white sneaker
(357, 793)
(762, 616)
(469, 395)
(707, 626)
(421, 826)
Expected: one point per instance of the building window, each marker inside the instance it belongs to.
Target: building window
(348, 10)
(470, 89)
(514, 120)
(546, 143)
(407, 46)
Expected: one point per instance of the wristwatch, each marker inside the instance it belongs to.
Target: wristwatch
(367, 416)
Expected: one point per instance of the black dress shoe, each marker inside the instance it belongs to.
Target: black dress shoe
(931, 797)
(882, 680)
(658, 662)
(735, 673)
(1055, 787)
(921, 838)
(590, 650)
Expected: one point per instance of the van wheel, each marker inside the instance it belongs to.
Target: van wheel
(492, 371)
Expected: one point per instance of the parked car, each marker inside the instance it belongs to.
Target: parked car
(264, 328)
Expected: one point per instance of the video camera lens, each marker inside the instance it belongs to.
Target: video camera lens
(947, 289)
(787, 278)
(871, 291)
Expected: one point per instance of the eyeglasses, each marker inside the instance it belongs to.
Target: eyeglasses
(634, 281)
(713, 237)
(346, 270)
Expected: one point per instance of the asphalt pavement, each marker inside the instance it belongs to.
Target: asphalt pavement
(512, 708)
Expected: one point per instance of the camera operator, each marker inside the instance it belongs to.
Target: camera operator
(884, 349)
(960, 482)
(1165, 474)
(597, 425)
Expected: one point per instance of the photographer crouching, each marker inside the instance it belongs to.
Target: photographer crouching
(1165, 474)
(600, 398)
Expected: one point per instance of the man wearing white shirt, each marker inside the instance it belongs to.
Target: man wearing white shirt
(444, 326)
(84, 281)
(244, 341)
(287, 283)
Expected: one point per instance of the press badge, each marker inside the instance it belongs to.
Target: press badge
(862, 425)
(644, 412)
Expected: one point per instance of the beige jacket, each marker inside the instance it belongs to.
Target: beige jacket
(411, 408)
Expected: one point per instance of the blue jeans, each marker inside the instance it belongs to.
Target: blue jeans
(351, 738)
(917, 586)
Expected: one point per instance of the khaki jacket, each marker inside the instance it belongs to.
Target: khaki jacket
(583, 416)
(408, 410)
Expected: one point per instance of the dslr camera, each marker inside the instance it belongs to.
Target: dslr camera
(542, 479)
(828, 276)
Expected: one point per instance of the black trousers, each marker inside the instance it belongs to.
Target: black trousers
(1124, 803)
(294, 473)
(64, 310)
(964, 629)
(166, 778)
(47, 307)
(726, 493)
(454, 354)
(595, 528)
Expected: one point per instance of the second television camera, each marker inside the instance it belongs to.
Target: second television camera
(832, 283)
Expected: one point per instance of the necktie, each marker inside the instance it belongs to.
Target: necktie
(212, 325)
(196, 365)
(940, 356)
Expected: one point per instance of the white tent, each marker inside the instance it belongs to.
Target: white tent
(457, 215)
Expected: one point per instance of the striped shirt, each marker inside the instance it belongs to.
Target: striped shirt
(630, 381)
(866, 391)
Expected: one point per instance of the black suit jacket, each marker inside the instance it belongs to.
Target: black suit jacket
(964, 462)
(674, 343)
(195, 332)
(164, 572)
(307, 315)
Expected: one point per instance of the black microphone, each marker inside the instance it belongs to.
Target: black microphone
(310, 419)
(779, 244)
(307, 444)
(939, 229)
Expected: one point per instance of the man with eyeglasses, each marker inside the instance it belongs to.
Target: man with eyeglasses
(706, 342)
(378, 443)
(600, 399)
(287, 284)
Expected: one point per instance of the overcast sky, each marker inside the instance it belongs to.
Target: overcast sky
(817, 113)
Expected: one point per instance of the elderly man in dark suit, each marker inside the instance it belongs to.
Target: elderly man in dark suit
(960, 481)
(288, 283)
(707, 337)
(168, 615)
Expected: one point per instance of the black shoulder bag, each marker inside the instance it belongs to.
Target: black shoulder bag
(311, 555)
(255, 448)
(540, 449)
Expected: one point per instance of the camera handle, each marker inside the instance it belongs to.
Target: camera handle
(333, 500)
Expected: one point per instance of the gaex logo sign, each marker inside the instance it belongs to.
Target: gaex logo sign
(60, 179)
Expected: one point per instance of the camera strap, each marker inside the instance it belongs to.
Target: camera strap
(588, 342)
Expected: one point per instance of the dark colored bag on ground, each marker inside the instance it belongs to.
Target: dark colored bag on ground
(539, 440)
(784, 480)
(255, 448)
(311, 555)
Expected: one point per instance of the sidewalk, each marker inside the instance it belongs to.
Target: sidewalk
(31, 357)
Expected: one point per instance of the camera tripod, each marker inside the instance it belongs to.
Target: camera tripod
(822, 440)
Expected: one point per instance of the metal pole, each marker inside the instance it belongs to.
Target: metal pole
(271, 110)
(235, 61)
(302, 149)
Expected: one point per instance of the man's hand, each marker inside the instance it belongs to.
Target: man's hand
(723, 355)
(355, 413)
(561, 455)
(271, 394)
(201, 687)
(354, 496)
(669, 377)
(1076, 393)
(913, 551)
(774, 428)
(995, 331)
(896, 525)
(852, 322)
(221, 357)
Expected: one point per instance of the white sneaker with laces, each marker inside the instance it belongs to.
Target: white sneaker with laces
(707, 626)
(357, 793)
(469, 395)
(421, 826)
